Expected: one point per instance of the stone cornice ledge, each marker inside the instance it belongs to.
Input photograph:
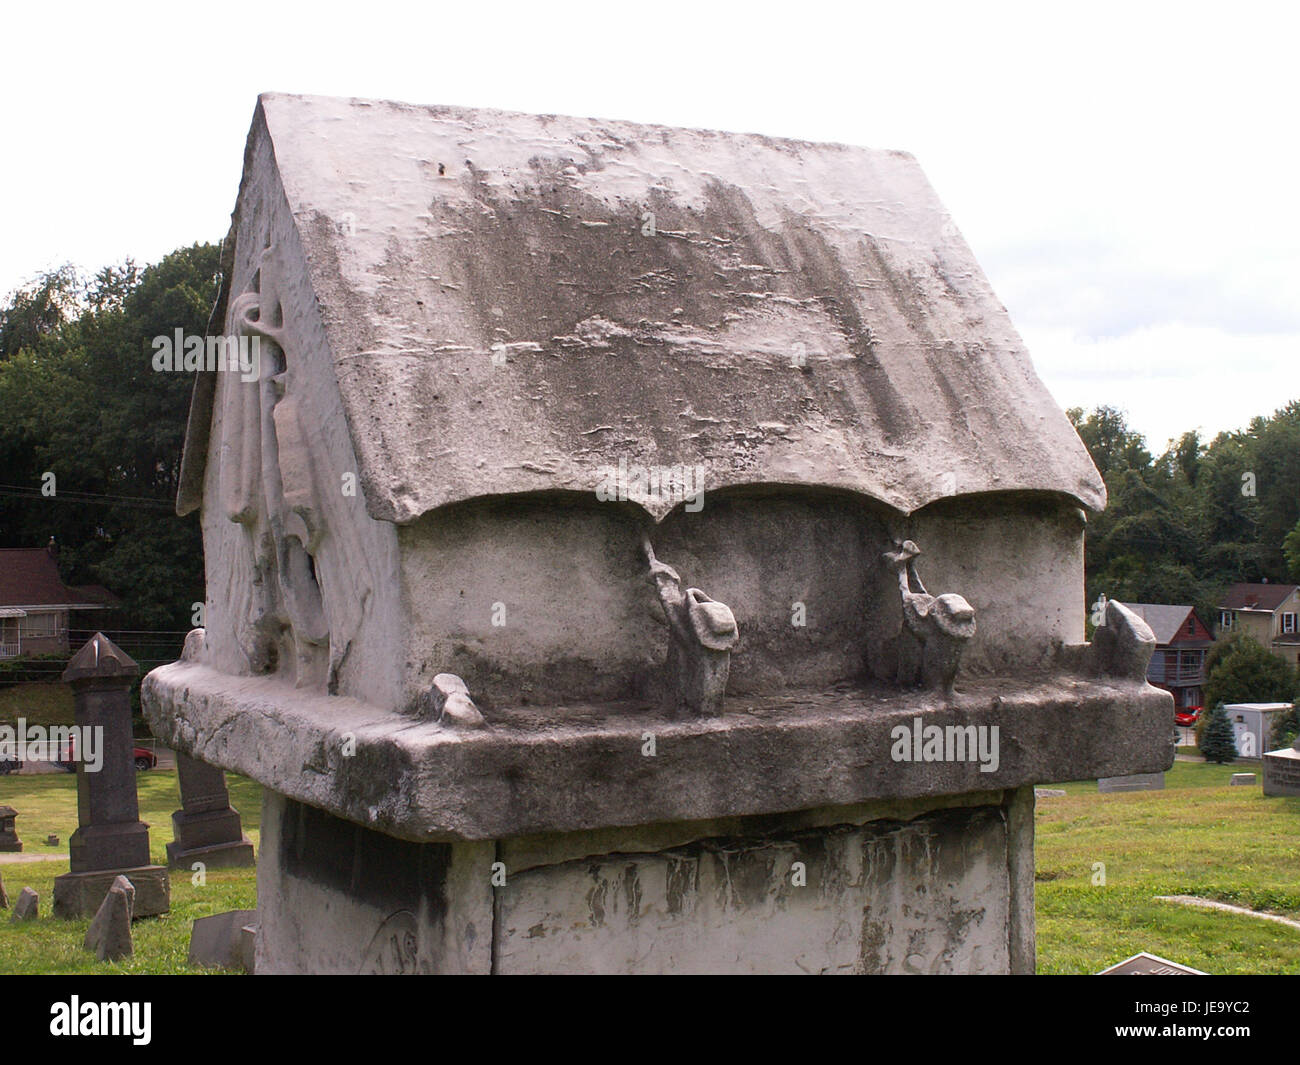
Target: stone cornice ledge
(561, 769)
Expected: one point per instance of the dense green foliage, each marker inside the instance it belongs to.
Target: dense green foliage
(1242, 670)
(1181, 527)
(79, 398)
(1218, 743)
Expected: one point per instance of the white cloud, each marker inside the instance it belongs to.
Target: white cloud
(1170, 378)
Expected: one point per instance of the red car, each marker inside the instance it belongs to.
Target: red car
(1187, 715)
(143, 757)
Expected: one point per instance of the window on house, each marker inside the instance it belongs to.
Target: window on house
(1225, 619)
(35, 625)
(1288, 623)
(1191, 626)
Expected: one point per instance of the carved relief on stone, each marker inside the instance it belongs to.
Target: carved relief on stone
(936, 629)
(269, 486)
(1122, 645)
(701, 634)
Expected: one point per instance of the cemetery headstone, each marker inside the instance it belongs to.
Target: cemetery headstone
(109, 934)
(1145, 964)
(26, 907)
(111, 839)
(1282, 771)
(9, 840)
(547, 418)
(1132, 782)
(207, 828)
(217, 940)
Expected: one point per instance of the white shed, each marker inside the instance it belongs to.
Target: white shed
(1252, 726)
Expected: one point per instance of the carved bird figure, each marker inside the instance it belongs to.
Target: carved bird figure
(942, 624)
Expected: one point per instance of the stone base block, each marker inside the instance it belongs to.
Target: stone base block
(1133, 782)
(220, 856)
(10, 845)
(80, 894)
(1282, 772)
(123, 844)
(812, 892)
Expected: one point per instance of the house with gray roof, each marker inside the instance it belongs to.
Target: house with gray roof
(1182, 641)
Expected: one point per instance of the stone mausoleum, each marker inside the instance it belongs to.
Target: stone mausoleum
(636, 550)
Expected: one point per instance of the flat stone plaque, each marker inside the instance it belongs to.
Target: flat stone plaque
(1145, 964)
(1133, 782)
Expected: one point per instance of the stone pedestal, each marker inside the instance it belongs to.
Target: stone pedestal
(813, 892)
(1282, 772)
(111, 840)
(9, 840)
(207, 828)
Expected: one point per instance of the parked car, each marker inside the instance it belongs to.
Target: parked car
(143, 757)
(9, 765)
(1187, 715)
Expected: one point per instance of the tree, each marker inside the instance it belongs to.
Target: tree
(79, 398)
(1291, 549)
(1218, 744)
(1241, 670)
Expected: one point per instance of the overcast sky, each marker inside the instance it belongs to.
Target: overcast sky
(1128, 179)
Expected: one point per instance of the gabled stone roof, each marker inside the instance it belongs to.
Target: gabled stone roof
(506, 316)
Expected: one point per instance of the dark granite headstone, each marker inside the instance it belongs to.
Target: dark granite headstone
(207, 828)
(111, 838)
(9, 840)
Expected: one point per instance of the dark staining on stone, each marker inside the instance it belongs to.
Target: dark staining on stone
(683, 883)
(373, 868)
(632, 891)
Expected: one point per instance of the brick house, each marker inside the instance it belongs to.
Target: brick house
(1268, 612)
(35, 604)
(1182, 642)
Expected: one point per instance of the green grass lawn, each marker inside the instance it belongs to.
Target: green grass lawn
(1197, 837)
(49, 804)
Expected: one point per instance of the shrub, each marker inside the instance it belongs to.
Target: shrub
(1218, 743)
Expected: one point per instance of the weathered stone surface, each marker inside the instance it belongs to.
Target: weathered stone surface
(26, 906)
(109, 934)
(1132, 782)
(1282, 772)
(1124, 644)
(333, 898)
(81, 894)
(216, 941)
(533, 772)
(670, 898)
(764, 250)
